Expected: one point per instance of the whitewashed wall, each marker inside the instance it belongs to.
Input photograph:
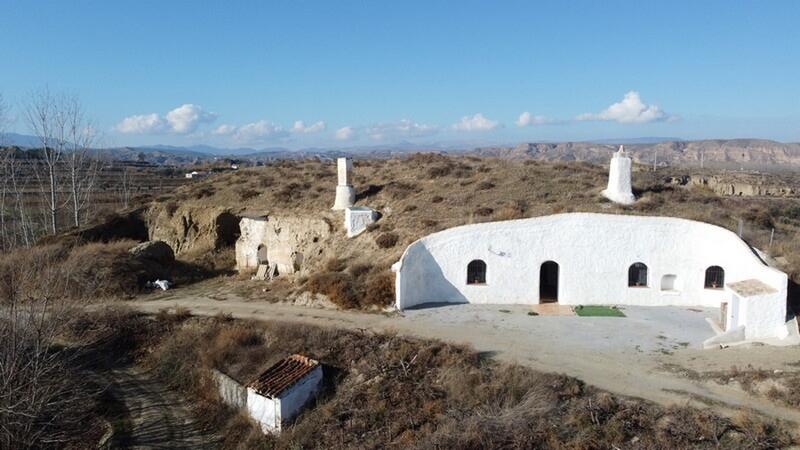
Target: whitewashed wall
(231, 391)
(296, 397)
(272, 413)
(264, 410)
(763, 315)
(593, 251)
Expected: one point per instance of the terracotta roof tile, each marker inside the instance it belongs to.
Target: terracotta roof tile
(284, 374)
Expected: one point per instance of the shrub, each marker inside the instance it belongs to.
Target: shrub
(379, 290)
(387, 240)
(484, 212)
(337, 286)
(335, 264)
(440, 171)
(247, 194)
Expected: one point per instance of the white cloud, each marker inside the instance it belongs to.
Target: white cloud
(142, 124)
(181, 120)
(316, 127)
(224, 129)
(527, 119)
(476, 123)
(185, 118)
(345, 134)
(630, 109)
(401, 128)
(252, 133)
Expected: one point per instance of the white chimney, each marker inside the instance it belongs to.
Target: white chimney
(619, 179)
(345, 193)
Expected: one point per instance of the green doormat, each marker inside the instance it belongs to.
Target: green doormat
(598, 311)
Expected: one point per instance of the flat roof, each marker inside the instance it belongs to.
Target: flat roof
(751, 287)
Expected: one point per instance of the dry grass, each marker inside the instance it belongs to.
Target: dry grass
(429, 192)
(383, 391)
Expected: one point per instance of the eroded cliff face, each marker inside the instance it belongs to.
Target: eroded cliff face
(737, 185)
(192, 230)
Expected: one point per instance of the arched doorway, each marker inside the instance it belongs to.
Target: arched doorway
(548, 282)
(261, 254)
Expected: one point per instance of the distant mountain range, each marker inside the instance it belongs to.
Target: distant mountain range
(720, 153)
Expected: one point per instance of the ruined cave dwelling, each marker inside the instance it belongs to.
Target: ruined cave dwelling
(274, 245)
(603, 259)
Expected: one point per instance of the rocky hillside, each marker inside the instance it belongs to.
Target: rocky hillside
(731, 154)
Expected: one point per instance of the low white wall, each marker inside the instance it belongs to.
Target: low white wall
(593, 251)
(265, 411)
(232, 393)
(357, 219)
(763, 316)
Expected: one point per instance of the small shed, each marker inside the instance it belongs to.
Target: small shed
(757, 307)
(279, 394)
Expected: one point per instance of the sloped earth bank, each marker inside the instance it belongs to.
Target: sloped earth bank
(650, 354)
(152, 415)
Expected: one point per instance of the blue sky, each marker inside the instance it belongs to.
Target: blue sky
(379, 72)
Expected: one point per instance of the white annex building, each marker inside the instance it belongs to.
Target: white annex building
(588, 258)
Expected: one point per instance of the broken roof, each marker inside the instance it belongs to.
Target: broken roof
(751, 287)
(283, 375)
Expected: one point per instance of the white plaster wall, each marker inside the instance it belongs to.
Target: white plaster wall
(357, 218)
(594, 252)
(265, 411)
(296, 397)
(764, 316)
(232, 393)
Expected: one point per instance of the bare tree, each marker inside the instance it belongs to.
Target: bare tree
(44, 396)
(48, 122)
(125, 186)
(81, 163)
(4, 158)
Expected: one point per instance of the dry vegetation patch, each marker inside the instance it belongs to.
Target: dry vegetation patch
(384, 391)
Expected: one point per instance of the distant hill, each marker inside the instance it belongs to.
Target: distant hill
(19, 140)
(757, 154)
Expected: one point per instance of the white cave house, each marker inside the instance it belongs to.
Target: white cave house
(587, 258)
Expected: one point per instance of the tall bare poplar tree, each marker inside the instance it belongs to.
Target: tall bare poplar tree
(81, 162)
(47, 122)
(65, 139)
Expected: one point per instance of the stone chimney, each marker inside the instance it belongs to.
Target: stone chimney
(619, 179)
(345, 193)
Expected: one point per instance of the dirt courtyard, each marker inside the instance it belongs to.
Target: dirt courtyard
(654, 353)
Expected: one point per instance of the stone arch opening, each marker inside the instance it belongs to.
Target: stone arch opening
(262, 254)
(548, 282)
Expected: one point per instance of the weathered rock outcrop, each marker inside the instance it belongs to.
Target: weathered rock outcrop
(193, 229)
(155, 251)
(745, 185)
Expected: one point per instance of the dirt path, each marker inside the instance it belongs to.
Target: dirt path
(154, 416)
(643, 355)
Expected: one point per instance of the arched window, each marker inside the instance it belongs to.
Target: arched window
(715, 277)
(637, 275)
(476, 272)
